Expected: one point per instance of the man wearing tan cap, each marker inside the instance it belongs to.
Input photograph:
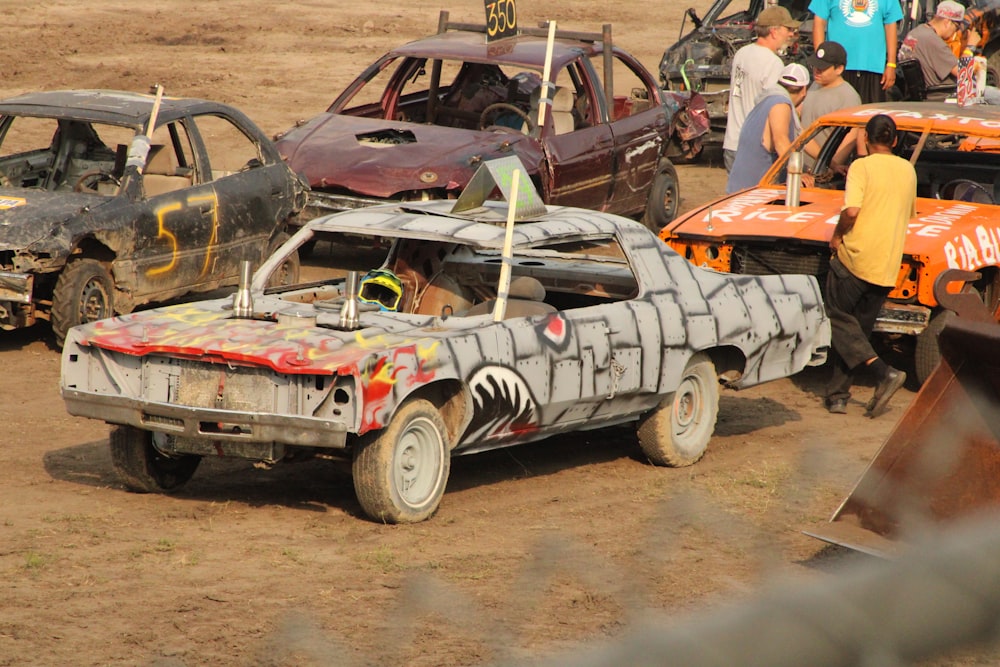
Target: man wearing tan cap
(756, 67)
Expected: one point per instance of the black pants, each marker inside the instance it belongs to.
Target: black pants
(852, 306)
(868, 85)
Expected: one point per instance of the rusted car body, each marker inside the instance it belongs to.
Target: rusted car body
(600, 324)
(418, 122)
(91, 225)
(956, 153)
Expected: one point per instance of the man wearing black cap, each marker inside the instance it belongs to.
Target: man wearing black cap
(829, 91)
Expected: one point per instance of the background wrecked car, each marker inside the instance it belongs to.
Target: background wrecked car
(112, 199)
(701, 58)
(764, 230)
(598, 324)
(418, 122)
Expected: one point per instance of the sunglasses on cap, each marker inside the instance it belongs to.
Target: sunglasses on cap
(382, 288)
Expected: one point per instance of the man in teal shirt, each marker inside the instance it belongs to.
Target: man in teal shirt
(867, 31)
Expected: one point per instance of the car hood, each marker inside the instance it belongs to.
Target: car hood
(27, 215)
(963, 232)
(294, 345)
(380, 158)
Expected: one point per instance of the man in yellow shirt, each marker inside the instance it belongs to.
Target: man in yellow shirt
(879, 200)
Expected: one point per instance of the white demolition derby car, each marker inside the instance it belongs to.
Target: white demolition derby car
(455, 342)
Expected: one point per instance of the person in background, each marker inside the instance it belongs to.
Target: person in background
(755, 68)
(927, 44)
(879, 200)
(829, 92)
(769, 129)
(867, 31)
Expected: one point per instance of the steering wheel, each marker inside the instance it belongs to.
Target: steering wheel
(89, 181)
(962, 189)
(495, 108)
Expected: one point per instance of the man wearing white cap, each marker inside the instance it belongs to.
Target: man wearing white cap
(755, 68)
(927, 43)
(769, 129)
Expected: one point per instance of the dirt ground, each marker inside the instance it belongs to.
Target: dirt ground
(534, 549)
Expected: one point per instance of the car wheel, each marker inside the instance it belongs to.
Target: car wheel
(400, 472)
(676, 433)
(145, 468)
(288, 272)
(84, 293)
(664, 197)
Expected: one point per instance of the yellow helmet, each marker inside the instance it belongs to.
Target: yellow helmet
(382, 287)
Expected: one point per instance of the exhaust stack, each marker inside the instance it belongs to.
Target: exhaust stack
(242, 300)
(349, 311)
(793, 184)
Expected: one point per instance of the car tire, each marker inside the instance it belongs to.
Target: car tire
(664, 197)
(400, 472)
(288, 272)
(84, 293)
(142, 467)
(676, 433)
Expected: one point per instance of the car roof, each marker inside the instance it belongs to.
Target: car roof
(524, 51)
(480, 228)
(940, 117)
(115, 107)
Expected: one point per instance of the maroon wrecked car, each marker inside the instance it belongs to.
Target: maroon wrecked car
(418, 122)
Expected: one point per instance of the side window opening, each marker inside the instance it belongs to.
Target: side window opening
(56, 154)
(229, 149)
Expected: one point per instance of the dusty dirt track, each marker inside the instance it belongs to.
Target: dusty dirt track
(533, 550)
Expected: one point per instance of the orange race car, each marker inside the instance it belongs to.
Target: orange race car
(956, 152)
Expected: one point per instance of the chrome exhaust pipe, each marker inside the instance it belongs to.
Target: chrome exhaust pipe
(242, 299)
(349, 311)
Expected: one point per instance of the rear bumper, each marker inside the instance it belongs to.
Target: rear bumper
(899, 318)
(207, 424)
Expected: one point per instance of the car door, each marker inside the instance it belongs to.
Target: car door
(580, 160)
(639, 127)
(251, 191)
(177, 222)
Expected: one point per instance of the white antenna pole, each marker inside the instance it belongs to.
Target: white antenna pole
(548, 87)
(503, 288)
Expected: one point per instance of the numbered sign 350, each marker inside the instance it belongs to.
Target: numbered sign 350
(501, 19)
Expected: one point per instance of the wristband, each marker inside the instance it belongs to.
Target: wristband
(892, 65)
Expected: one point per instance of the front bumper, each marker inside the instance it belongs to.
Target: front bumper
(16, 307)
(205, 423)
(16, 287)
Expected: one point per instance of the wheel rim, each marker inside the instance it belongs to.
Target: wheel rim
(418, 463)
(688, 418)
(94, 301)
(669, 200)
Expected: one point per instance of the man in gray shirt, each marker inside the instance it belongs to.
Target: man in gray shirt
(829, 91)
(927, 43)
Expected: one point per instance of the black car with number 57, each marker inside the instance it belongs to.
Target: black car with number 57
(110, 199)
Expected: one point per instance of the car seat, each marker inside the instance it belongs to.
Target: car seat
(160, 175)
(526, 297)
(561, 110)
